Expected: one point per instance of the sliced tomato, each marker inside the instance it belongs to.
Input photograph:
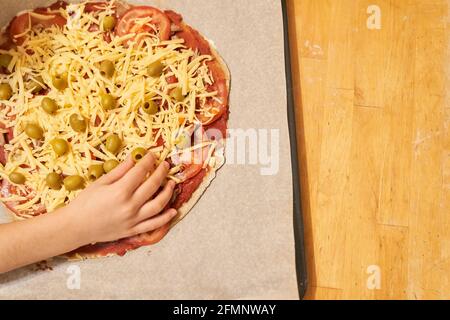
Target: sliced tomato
(122, 8)
(5, 41)
(189, 172)
(192, 38)
(192, 163)
(2, 139)
(119, 7)
(98, 121)
(128, 25)
(147, 239)
(160, 142)
(187, 188)
(172, 79)
(3, 155)
(53, 7)
(174, 17)
(219, 106)
(95, 6)
(121, 247)
(219, 125)
(10, 135)
(195, 41)
(21, 24)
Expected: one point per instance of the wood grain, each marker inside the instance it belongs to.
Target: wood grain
(373, 116)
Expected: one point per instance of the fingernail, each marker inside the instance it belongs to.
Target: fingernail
(174, 212)
(166, 165)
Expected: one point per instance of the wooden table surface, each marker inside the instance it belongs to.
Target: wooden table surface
(373, 125)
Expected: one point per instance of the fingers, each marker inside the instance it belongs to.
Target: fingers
(155, 206)
(134, 178)
(156, 222)
(118, 172)
(152, 184)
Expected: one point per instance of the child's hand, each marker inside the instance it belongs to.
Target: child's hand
(123, 203)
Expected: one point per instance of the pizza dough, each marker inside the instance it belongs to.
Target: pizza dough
(214, 109)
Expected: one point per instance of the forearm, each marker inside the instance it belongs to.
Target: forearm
(26, 242)
(119, 205)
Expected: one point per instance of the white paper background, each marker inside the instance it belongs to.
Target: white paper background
(238, 242)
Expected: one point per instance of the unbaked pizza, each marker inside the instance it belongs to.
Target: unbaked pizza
(83, 86)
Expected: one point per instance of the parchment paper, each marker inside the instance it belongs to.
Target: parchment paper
(237, 242)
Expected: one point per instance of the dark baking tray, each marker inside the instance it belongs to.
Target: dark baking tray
(300, 255)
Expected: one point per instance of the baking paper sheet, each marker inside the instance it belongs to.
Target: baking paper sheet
(238, 241)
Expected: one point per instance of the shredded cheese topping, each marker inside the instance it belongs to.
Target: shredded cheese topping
(77, 50)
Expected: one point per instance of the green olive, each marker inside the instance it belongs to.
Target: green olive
(177, 94)
(49, 105)
(17, 178)
(37, 85)
(113, 144)
(107, 68)
(54, 181)
(73, 183)
(110, 165)
(78, 123)
(5, 60)
(138, 154)
(183, 141)
(95, 172)
(60, 81)
(155, 69)
(109, 23)
(60, 146)
(150, 107)
(5, 91)
(108, 101)
(34, 131)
